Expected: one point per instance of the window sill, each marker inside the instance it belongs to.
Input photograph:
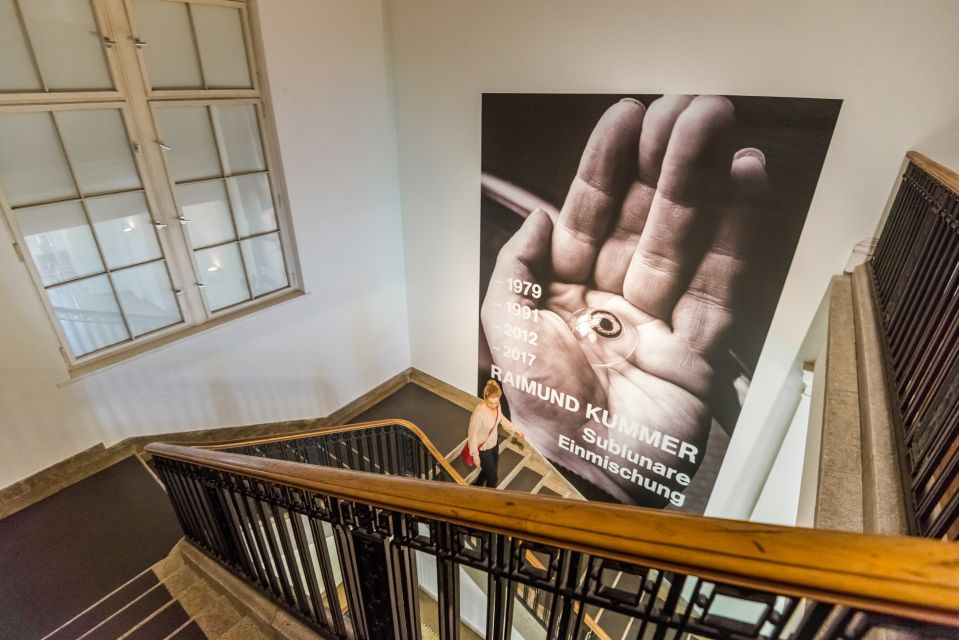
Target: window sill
(108, 362)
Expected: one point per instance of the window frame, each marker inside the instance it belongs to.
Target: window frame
(137, 104)
(248, 43)
(104, 25)
(286, 241)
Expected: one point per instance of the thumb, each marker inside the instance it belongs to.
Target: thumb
(524, 258)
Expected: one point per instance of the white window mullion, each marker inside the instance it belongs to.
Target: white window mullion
(153, 168)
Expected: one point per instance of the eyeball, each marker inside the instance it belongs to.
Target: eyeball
(604, 338)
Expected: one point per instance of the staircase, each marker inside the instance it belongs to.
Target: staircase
(366, 532)
(172, 600)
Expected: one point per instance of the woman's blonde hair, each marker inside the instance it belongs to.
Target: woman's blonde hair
(491, 390)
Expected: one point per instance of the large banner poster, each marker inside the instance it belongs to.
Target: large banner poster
(633, 252)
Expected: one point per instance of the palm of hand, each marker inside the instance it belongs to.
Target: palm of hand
(629, 389)
(628, 241)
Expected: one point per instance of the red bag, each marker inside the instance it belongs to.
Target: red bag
(465, 453)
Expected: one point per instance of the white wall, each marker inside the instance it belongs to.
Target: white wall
(779, 501)
(329, 78)
(889, 61)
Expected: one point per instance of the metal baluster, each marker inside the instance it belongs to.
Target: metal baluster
(289, 558)
(259, 537)
(306, 561)
(210, 505)
(196, 531)
(569, 576)
(232, 525)
(650, 609)
(351, 583)
(668, 610)
(259, 563)
(913, 308)
(941, 321)
(192, 488)
(690, 605)
(448, 585)
(792, 604)
(267, 532)
(499, 609)
(934, 300)
(179, 509)
(326, 572)
(812, 621)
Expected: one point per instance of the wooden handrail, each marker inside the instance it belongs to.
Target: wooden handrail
(908, 577)
(945, 175)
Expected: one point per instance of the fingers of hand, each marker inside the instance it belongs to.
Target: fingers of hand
(617, 252)
(607, 168)
(657, 130)
(704, 314)
(692, 178)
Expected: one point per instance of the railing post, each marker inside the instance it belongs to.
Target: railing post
(379, 577)
(221, 521)
(570, 619)
(408, 455)
(447, 586)
(499, 609)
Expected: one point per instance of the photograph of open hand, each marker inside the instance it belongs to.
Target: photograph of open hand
(618, 318)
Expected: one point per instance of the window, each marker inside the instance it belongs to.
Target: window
(136, 168)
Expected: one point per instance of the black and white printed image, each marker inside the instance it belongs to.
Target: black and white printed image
(633, 251)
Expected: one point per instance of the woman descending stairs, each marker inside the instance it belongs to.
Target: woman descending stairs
(521, 468)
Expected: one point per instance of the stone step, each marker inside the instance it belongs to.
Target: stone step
(245, 629)
(130, 615)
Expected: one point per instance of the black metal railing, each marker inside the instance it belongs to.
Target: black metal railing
(392, 449)
(360, 555)
(916, 277)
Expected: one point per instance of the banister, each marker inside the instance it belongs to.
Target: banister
(418, 433)
(914, 282)
(909, 577)
(945, 175)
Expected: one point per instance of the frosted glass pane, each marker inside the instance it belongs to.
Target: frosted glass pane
(147, 298)
(188, 132)
(17, 72)
(264, 263)
(222, 272)
(99, 150)
(242, 150)
(89, 314)
(219, 34)
(60, 241)
(67, 44)
(252, 204)
(32, 166)
(124, 228)
(170, 53)
(205, 205)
